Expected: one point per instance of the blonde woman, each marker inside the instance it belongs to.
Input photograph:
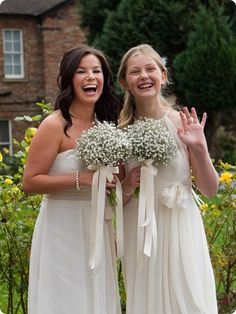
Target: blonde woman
(178, 279)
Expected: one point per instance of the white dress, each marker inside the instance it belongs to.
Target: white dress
(61, 281)
(179, 279)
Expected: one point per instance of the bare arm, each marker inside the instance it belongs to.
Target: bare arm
(192, 134)
(129, 181)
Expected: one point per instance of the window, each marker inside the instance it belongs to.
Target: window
(13, 53)
(5, 135)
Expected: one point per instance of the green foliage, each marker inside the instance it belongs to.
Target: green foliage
(163, 24)
(227, 140)
(93, 14)
(206, 71)
(219, 214)
(121, 286)
(17, 217)
(18, 213)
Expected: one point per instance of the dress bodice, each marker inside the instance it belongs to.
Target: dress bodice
(179, 169)
(64, 163)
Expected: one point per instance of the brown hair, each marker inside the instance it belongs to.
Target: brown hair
(107, 106)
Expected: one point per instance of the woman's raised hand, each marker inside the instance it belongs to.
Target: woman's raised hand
(192, 132)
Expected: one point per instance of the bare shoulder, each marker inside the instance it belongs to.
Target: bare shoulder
(45, 145)
(54, 122)
(175, 118)
(50, 131)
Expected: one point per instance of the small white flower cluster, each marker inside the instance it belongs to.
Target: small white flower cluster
(150, 139)
(103, 145)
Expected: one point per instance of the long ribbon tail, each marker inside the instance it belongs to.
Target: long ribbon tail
(119, 220)
(150, 225)
(93, 216)
(141, 219)
(98, 211)
(147, 227)
(197, 198)
(97, 233)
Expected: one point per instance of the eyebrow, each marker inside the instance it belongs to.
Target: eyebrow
(95, 67)
(146, 65)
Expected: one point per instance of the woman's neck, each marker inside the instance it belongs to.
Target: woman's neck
(80, 113)
(150, 109)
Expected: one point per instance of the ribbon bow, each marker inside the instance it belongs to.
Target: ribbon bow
(175, 195)
(147, 229)
(98, 204)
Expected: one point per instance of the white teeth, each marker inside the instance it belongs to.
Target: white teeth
(90, 86)
(147, 85)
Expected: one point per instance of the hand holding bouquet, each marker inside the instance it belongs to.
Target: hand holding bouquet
(152, 144)
(102, 147)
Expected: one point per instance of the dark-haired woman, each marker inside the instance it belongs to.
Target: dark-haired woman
(61, 280)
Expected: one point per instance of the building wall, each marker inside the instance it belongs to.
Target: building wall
(45, 39)
(61, 32)
(27, 91)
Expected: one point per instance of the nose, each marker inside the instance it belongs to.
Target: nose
(90, 75)
(143, 74)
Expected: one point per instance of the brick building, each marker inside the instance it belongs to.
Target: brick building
(33, 37)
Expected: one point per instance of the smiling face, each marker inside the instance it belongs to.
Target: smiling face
(88, 80)
(144, 77)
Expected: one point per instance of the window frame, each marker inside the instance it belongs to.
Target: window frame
(9, 143)
(21, 53)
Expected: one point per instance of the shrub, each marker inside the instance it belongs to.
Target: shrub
(219, 214)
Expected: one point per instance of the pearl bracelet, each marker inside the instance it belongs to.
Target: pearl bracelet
(128, 194)
(77, 181)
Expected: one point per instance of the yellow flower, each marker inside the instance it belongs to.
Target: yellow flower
(8, 181)
(204, 207)
(1, 158)
(6, 151)
(226, 177)
(30, 132)
(15, 190)
(225, 165)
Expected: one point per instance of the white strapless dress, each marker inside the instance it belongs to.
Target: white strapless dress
(61, 281)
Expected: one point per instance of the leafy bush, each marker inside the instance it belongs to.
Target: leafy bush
(18, 213)
(219, 214)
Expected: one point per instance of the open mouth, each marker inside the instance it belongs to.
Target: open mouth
(145, 85)
(92, 88)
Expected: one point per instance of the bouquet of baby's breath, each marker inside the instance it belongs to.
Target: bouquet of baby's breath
(103, 145)
(151, 140)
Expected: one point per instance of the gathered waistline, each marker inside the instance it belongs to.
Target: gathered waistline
(186, 184)
(70, 195)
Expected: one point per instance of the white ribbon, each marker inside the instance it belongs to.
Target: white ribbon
(147, 229)
(197, 198)
(176, 194)
(98, 204)
(119, 219)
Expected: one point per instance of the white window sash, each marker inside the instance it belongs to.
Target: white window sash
(9, 143)
(12, 53)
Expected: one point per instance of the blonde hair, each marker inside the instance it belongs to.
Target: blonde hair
(127, 113)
